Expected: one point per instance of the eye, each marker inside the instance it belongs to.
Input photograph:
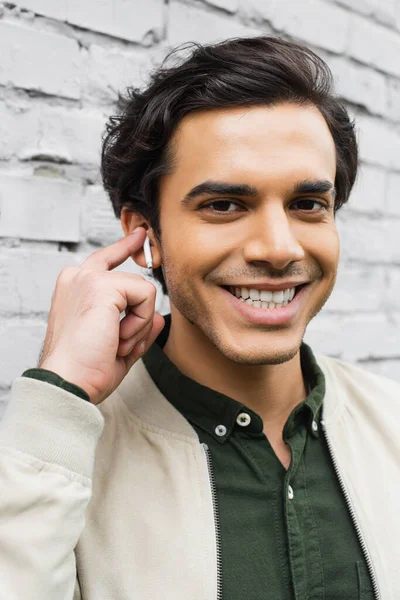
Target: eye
(310, 205)
(221, 206)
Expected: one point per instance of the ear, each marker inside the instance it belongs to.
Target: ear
(130, 221)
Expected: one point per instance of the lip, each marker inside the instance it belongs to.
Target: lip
(270, 287)
(275, 316)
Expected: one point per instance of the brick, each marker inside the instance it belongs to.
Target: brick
(25, 60)
(358, 289)
(120, 18)
(393, 290)
(393, 111)
(99, 224)
(306, 20)
(354, 337)
(361, 6)
(187, 24)
(370, 241)
(384, 11)
(375, 45)
(65, 135)
(228, 5)
(72, 134)
(27, 279)
(17, 130)
(359, 84)
(393, 197)
(48, 8)
(39, 208)
(368, 194)
(384, 368)
(109, 71)
(20, 345)
(379, 142)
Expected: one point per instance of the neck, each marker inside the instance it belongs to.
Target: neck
(272, 391)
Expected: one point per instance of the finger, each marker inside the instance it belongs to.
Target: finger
(137, 352)
(114, 255)
(128, 327)
(140, 297)
(129, 291)
(126, 346)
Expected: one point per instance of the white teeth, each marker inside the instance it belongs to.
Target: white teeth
(277, 297)
(266, 296)
(254, 294)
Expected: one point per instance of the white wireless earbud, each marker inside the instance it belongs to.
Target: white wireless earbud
(147, 252)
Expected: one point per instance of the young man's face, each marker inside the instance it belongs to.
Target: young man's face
(275, 231)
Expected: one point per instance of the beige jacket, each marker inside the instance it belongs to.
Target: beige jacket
(114, 502)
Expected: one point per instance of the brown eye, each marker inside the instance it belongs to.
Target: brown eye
(221, 206)
(309, 205)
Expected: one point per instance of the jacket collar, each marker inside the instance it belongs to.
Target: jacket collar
(141, 391)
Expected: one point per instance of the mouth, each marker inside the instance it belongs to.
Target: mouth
(265, 299)
(267, 308)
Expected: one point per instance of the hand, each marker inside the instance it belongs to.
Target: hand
(86, 343)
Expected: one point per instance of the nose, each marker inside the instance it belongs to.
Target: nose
(273, 239)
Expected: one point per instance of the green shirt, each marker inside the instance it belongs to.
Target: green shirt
(283, 535)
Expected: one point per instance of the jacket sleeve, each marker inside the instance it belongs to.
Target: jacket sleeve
(48, 439)
(50, 377)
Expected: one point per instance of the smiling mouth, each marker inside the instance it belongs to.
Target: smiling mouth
(265, 299)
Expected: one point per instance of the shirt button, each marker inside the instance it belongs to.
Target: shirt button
(314, 426)
(290, 493)
(243, 419)
(220, 430)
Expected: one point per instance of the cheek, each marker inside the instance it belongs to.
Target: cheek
(194, 246)
(324, 247)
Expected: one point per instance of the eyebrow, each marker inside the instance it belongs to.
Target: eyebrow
(212, 188)
(317, 186)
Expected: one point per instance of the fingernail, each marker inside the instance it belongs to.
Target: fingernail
(136, 230)
(142, 347)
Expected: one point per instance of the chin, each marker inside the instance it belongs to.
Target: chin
(252, 355)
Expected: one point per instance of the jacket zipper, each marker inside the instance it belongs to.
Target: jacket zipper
(216, 519)
(352, 512)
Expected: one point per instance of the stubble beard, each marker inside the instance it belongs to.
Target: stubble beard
(184, 301)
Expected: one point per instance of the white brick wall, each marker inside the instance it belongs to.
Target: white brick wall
(61, 66)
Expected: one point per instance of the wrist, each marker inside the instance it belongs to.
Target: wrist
(54, 379)
(65, 377)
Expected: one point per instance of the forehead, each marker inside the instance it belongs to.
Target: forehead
(262, 144)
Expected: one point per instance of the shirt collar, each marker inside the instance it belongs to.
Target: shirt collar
(217, 413)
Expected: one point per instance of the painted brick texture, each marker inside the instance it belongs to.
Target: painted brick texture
(62, 65)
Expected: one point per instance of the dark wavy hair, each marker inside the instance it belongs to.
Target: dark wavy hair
(237, 72)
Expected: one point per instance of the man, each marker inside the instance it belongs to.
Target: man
(209, 454)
